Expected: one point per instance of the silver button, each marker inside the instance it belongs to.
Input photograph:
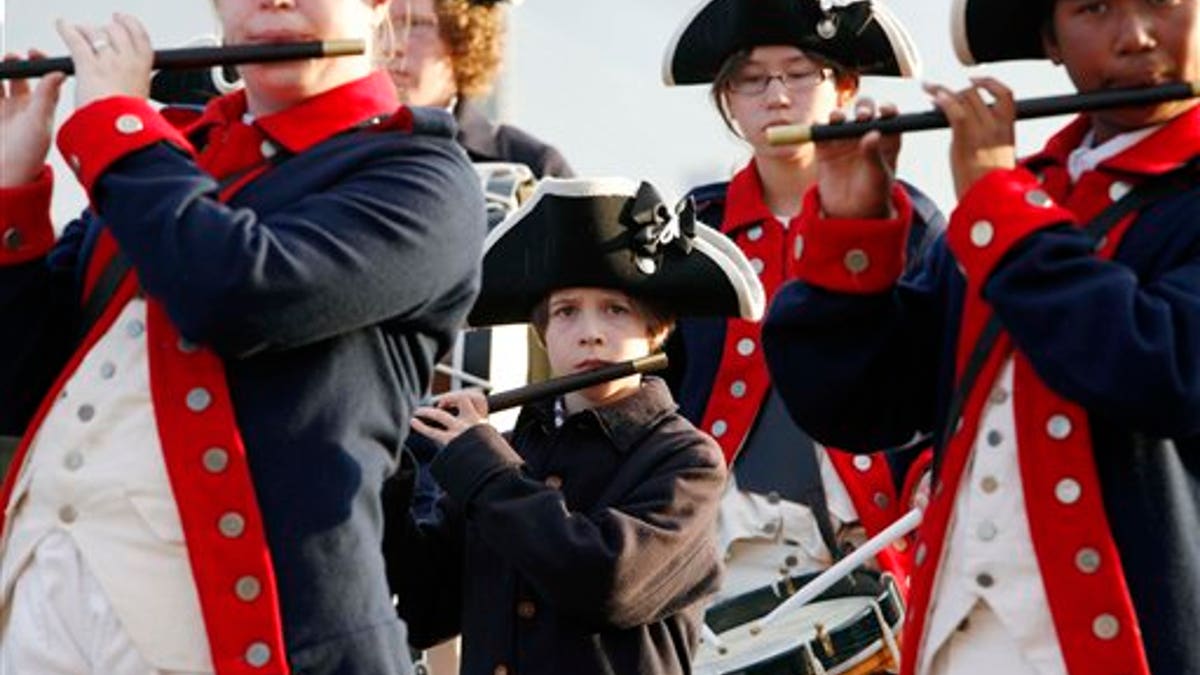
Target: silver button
(900, 544)
(862, 462)
(13, 239)
(881, 500)
(958, 424)
(745, 346)
(1101, 243)
(129, 124)
(769, 528)
(982, 233)
(646, 265)
(998, 396)
(198, 399)
(994, 438)
(1087, 560)
(232, 525)
(987, 530)
(68, 514)
(1068, 491)
(86, 412)
(798, 247)
(773, 497)
(856, 261)
(989, 484)
(1117, 190)
(719, 428)
(215, 460)
(258, 654)
(73, 461)
(985, 580)
(186, 346)
(758, 265)
(1038, 198)
(738, 389)
(268, 149)
(1058, 426)
(135, 328)
(1106, 626)
(247, 588)
(755, 233)
(921, 553)
(74, 163)
(107, 370)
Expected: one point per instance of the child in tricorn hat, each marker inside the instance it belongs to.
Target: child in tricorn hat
(1049, 341)
(584, 543)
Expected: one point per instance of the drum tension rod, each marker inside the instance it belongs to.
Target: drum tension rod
(826, 641)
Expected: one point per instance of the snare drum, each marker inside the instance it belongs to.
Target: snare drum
(853, 634)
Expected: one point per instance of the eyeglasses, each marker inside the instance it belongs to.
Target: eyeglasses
(754, 84)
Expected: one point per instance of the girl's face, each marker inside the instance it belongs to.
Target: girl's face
(271, 87)
(778, 85)
(420, 64)
(588, 328)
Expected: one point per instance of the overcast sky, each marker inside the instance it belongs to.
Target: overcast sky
(585, 75)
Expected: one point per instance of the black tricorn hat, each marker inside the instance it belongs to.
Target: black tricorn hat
(862, 36)
(612, 233)
(985, 31)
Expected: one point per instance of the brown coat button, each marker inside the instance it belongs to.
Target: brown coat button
(526, 609)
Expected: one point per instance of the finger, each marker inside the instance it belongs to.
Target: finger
(437, 416)
(15, 87)
(947, 103)
(888, 110)
(116, 38)
(864, 109)
(478, 402)
(837, 117)
(977, 108)
(1005, 107)
(47, 93)
(434, 434)
(76, 41)
(139, 37)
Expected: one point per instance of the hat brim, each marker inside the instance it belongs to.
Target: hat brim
(869, 39)
(571, 234)
(987, 31)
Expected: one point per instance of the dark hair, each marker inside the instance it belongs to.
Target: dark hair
(734, 63)
(657, 318)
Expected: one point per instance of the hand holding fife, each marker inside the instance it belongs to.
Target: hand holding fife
(855, 176)
(983, 136)
(26, 125)
(112, 60)
(454, 413)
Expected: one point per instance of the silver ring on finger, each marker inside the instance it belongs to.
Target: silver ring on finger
(97, 45)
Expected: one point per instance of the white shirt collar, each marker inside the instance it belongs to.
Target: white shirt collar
(1086, 157)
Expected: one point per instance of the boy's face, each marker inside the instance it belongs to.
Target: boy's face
(420, 67)
(588, 328)
(1109, 44)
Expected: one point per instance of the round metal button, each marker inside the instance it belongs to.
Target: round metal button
(791, 561)
(186, 346)
(1058, 427)
(987, 531)
(862, 462)
(232, 525)
(856, 261)
(1087, 560)
(1038, 198)
(554, 482)
(1101, 243)
(746, 346)
(773, 497)
(921, 553)
(107, 370)
(73, 461)
(74, 163)
(258, 654)
(247, 589)
(13, 239)
(982, 233)
(1068, 491)
(719, 428)
(129, 124)
(769, 528)
(755, 233)
(500, 670)
(738, 389)
(900, 544)
(135, 328)
(994, 438)
(985, 580)
(958, 424)
(68, 514)
(798, 247)
(998, 396)
(881, 500)
(758, 265)
(1106, 626)
(526, 609)
(268, 149)
(86, 412)
(1118, 190)
(989, 484)
(198, 399)
(646, 265)
(215, 460)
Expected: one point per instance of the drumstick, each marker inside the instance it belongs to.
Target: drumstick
(907, 523)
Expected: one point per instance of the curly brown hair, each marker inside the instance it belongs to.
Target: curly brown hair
(474, 36)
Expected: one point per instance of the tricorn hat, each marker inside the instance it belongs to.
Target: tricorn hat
(612, 233)
(984, 31)
(862, 36)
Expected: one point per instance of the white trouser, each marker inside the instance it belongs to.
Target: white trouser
(59, 622)
(981, 646)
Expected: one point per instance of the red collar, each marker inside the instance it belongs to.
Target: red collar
(1176, 142)
(312, 120)
(744, 201)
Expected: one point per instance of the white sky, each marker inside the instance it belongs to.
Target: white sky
(585, 75)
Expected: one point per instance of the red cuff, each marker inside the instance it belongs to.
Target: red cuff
(999, 210)
(25, 229)
(850, 255)
(104, 131)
